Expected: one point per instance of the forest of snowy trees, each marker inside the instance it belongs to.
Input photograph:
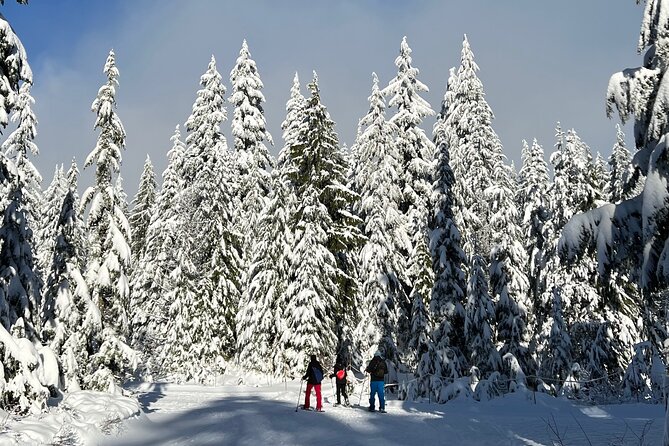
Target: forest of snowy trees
(424, 243)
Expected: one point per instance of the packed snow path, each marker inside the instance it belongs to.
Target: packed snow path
(242, 415)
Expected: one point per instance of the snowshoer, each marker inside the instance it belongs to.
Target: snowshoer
(377, 370)
(314, 376)
(340, 380)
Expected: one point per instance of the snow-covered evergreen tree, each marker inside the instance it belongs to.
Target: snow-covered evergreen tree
(318, 172)
(45, 233)
(142, 207)
(509, 283)
(472, 142)
(376, 180)
(109, 232)
(557, 359)
(18, 253)
(71, 321)
(295, 112)
(152, 277)
(252, 158)
(22, 376)
(445, 358)
(479, 317)
(312, 294)
(416, 152)
(623, 177)
(209, 202)
(260, 318)
(533, 185)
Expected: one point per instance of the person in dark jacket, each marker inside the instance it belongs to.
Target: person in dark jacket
(314, 376)
(340, 380)
(377, 370)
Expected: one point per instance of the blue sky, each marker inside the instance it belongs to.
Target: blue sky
(541, 62)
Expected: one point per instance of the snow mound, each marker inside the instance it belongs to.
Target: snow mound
(80, 419)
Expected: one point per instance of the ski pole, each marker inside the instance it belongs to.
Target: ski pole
(362, 388)
(299, 395)
(333, 392)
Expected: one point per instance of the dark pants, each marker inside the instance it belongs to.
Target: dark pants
(341, 390)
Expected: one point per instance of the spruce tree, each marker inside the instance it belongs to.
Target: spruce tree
(252, 158)
(416, 152)
(71, 321)
(376, 180)
(623, 178)
(479, 317)
(109, 232)
(260, 319)
(474, 148)
(317, 170)
(142, 207)
(557, 359)
(23, 390)
(209, 203)
(19, 255)
(445, 358)
(153, 275)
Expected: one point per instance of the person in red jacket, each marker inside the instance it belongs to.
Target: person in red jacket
(340, 375)
(314, 376)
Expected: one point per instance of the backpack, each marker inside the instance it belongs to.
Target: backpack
(377, 370)
(341, 374)
(317, 374)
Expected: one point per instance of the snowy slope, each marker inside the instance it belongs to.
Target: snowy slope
(245, 415)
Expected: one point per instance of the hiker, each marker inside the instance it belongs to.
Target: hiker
(314, 376)
(377, 369)
(340, 375)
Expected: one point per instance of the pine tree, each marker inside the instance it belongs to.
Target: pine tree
(508, 280)
(71, 319)
(209, 203)
(474, 147)
(623, 176)
(558, 355)
(152, 278)
(416, 152)
(260, 319)
(21, 215)
(142, 207)
(533, 185)
(479, 316)
(110, 255)
(317, 169)
(445, 357)
(295, 113)
(253, 160)
(45, 234)
(23, 390)
(312, 293)
(376, 180)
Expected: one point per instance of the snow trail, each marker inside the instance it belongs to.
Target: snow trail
(245, 415)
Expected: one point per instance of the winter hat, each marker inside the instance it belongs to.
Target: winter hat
(378, 353)
(313, 357)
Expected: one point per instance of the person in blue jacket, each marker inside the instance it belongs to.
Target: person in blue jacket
(377, 370)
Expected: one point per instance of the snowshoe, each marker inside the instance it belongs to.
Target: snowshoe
(382, 411)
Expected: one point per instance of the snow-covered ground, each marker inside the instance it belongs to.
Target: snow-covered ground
(266, 415)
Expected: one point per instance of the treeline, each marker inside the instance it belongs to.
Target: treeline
(430, 247)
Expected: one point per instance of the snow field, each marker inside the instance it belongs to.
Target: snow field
(265, 415)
